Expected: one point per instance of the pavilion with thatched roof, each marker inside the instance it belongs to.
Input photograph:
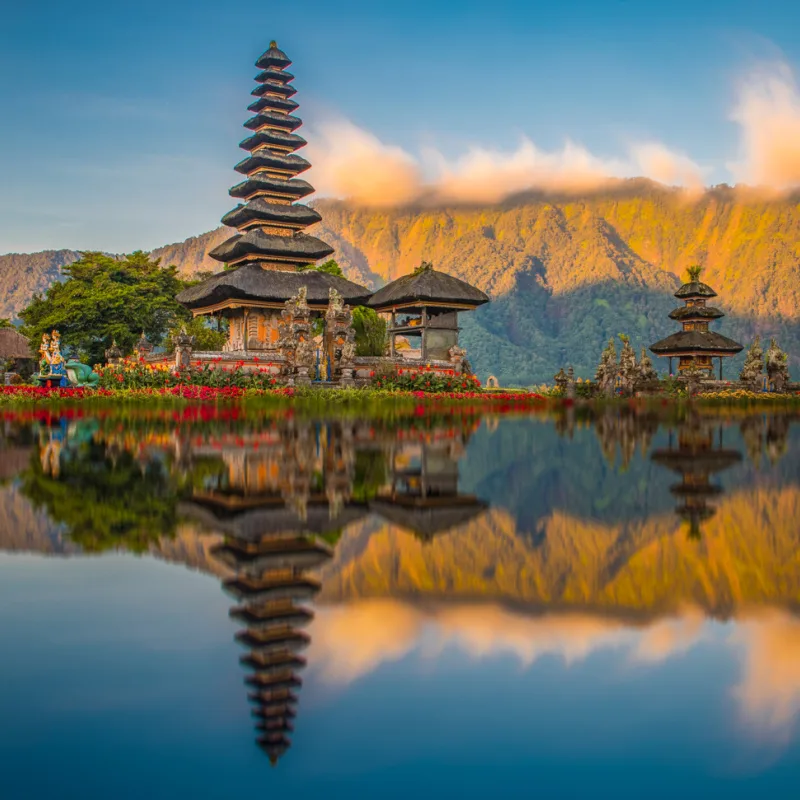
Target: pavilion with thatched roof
(15, 349)
(425, 306)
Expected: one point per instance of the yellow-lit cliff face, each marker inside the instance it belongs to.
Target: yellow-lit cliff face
(567, 273)
(749, 554)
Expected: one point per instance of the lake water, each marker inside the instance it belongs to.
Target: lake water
(209, 603)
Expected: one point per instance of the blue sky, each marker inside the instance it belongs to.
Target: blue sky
(120, 121)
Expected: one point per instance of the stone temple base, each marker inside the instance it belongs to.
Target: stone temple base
(361, 373)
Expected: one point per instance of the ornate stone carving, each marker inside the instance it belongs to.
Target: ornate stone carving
(338, 332)
(183, 349)
(457, 357)
(113, 353)
(294, 338)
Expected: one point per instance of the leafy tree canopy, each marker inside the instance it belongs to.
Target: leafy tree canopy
(6, 323)
(106, 298)
(330, 266)
(370, 330)
(206, 335)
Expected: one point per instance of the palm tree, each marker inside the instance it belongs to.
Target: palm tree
(694, 273)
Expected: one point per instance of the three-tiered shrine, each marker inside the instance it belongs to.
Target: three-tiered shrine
(695, 345)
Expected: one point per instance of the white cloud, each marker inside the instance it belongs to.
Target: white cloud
(353, 163)
(768, 111)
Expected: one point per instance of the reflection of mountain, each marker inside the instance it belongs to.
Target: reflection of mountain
(750, 553)
(570, 526)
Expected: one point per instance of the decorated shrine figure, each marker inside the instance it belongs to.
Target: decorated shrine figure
(52, 371)
(44, 355)
(55, 372)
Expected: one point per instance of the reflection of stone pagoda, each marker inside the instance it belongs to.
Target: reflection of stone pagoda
(422, 494)
(275, 506)
(696, 458)
(695, 345)
(266, 259)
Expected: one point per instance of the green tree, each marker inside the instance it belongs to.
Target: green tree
(105, 298)
(206, 337)
(6, 323)
(370, 329)
(694, 272)
(330, 266)
(105, 499)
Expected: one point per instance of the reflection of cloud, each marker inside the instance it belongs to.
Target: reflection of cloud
(668, 637)
(769, 692)
(350, 641)
(353, 640)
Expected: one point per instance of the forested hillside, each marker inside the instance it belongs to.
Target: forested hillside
(565, 274)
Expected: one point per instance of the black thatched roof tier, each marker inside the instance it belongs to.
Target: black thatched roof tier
(292, 189)
(695, 289)
(265, 616)
(251, 282)
(696, 342)
(249, 590)
(694, 460)
(267, 159)
(268, 103)
(286, 641)
(302, 554)
(14, 345)
(298, 249)
(268, 685)
(273, 138)
(428, 286)
(274, 74)
(274, 81)
(429, 521)
(293, 216)
(271, 118)
(686, 313)
(273, 57)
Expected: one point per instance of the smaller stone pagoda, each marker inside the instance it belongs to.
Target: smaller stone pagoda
(695, 345)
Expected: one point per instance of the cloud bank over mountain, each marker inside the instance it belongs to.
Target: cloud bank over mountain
(353, 163)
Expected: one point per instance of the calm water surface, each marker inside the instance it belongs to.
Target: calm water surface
(207, 603)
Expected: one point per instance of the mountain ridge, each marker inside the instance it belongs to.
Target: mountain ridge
(565, 273)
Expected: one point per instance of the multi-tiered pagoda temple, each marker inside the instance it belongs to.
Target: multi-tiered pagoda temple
(266, 260)
(695, 346)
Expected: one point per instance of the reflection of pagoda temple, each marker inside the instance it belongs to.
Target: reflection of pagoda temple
(422, 493)
(275, 505)
(697, 456)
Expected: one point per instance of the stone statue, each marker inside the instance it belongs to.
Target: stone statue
(44, 355)
(457, 356)
(348, 349)
(777, 367)
(183, 349)
(113, 353)
(55, 372)
(606, 375)
(560, 379)
(335, 302)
